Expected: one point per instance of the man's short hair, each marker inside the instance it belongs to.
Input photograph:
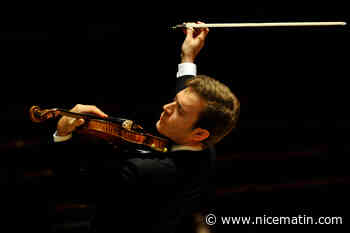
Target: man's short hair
(222, 110)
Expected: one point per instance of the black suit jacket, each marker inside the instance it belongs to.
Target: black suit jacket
(150, 192)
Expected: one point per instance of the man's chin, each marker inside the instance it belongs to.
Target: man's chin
(158, 127)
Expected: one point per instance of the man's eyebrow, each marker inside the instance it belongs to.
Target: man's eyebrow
(178, 104)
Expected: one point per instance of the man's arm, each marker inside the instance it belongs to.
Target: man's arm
(192, 45)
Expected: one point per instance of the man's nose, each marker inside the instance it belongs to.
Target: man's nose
(168, 108)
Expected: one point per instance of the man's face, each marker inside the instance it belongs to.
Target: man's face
(179, 116)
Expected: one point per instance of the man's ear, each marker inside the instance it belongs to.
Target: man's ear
(200, 134)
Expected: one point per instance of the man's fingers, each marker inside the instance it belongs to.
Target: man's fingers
(79, 122)
(204, 31)
(75, 122)
(94, 110)
(203, 34)
(79, 108)
(189, 33)
(200, 33)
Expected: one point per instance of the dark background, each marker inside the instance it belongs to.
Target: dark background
(289, 153)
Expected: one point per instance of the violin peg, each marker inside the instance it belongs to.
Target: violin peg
(34, 113)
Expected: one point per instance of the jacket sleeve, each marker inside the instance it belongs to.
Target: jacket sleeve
(102, 163)
(180, 82)
(138, 170)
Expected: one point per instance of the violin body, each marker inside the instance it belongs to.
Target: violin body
(113, 130)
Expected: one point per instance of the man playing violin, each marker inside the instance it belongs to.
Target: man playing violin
(154, 192)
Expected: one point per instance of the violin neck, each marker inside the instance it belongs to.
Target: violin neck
(87, 116)
(39, 115)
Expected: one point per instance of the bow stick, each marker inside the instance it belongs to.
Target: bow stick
(236, 25)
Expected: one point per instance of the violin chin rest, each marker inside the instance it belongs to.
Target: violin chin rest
(141, 151)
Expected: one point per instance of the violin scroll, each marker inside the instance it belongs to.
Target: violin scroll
(38, 115)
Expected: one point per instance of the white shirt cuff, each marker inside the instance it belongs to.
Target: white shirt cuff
(61, 138)
(186, 68)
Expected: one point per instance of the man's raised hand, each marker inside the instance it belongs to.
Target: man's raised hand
(193, 43)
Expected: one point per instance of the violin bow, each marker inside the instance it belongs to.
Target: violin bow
(240, 25)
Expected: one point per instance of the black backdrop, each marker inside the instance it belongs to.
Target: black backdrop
(291, 83)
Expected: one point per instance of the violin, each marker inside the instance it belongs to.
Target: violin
(112, 129)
